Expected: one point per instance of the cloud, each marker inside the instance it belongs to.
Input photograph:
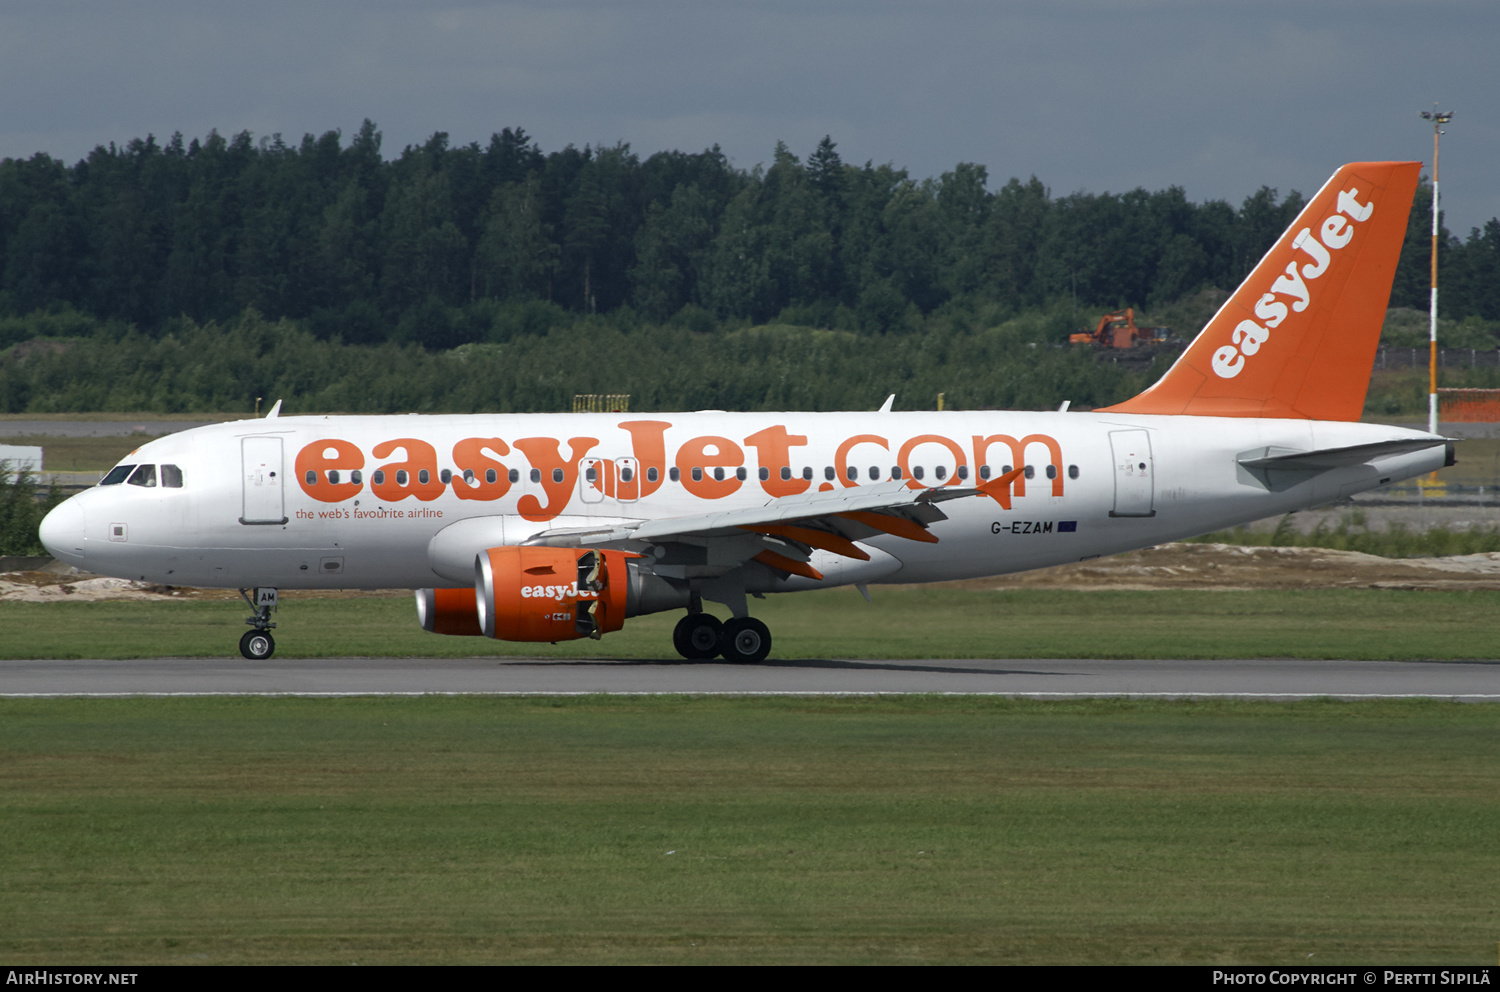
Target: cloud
(1086, 94)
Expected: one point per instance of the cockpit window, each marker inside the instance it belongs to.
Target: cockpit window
(117, 475)
(171, 476)
(144, 476)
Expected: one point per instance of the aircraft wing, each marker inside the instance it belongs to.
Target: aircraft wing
(782, 532)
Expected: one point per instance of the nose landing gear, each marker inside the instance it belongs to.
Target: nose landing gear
(742, 640)
(258, 644)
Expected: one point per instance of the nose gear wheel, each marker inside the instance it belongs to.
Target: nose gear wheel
(257, 645)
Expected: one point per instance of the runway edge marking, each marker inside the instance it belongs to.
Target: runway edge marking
(1289, 696)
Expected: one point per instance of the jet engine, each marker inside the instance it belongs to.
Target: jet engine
(558, 594)
(449, 611)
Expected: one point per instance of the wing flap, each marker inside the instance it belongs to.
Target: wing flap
(894, 499)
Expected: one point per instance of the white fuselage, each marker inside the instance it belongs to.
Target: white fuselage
(246, 514)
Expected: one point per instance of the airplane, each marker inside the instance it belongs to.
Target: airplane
(550, 527)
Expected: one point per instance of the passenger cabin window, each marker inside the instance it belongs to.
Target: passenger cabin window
(357, 477)
(333, 476)
(828, 472)
(1051, 471)
(536, 475)
(514, 475)
(117, 475)
(697, 474)
(445, 476)
(171, 476)
(941, 472)
(1072, 471)
(739, 473)
(469, 476)
(379, 477)
(963, 472)
(401, 477)
(895, 471)
(1031, 471)
(916, 472)
(652, 474)
(874, 472)
(557, 475)
(626, 474)
(984, 471)
(765, 473)
(144, 476)
(490, 477)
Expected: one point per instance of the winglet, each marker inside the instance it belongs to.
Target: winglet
(1298, 338)
(275, 411)
(886, 406)
(999, 488)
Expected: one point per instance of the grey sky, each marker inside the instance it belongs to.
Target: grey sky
(1094, 95)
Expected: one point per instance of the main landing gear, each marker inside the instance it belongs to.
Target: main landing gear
(741, 640)
(258, 644)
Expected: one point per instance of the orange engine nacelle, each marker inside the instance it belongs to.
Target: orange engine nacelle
(449, 611)
(550, 594)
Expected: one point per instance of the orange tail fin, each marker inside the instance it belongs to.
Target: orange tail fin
(1298, 338)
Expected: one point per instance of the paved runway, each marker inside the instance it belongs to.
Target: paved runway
(1472, 681)
(16, 427)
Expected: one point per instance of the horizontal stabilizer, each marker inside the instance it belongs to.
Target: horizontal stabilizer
(1327, 458)
(1279, 469)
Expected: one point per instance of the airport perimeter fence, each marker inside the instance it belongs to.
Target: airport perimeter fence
(1419, 492)
(1387, 357)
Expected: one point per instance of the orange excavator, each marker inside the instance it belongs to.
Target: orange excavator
(1118, 330)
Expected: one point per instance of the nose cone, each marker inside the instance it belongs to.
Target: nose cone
(62, 531)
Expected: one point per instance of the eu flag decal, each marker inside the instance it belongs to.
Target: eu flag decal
(1067, 526)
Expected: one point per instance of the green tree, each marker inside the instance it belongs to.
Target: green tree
(517, 259)
(22, 508)
(425, 253)
(671, 253)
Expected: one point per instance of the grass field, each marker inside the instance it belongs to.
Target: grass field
(710, 830)
(93, 454)
(79, 454)
(904, 622)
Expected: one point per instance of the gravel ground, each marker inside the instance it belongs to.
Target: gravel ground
(1170, 566)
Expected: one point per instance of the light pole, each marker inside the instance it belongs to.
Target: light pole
(1438, 118)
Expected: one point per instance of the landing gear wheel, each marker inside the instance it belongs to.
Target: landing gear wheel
(257, 645)
(697, 636)
(745, 641)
